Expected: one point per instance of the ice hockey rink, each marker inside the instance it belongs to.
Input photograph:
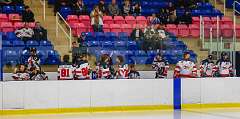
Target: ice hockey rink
(167, 114)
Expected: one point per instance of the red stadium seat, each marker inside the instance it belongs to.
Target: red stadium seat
(31, 24)
(108, 20)
(78, 28)
(227, 20)
(141, 20)
(127, 28)
(85, 19)
(130, 20)
(214, 31)
(194, 30)
(14, 18)
(3, 18)
(172, 28)
(207, 28)
(207, 20)
(238, 30)
(72, 19)
(227, 31)
(18, 25)
(195, 20)
(7, 27)
(115, 28)
(214, 21)
(119, 20)
(183, 30)
(106, 28)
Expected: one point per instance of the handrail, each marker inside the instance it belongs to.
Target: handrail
(43, 2)
(58, 25)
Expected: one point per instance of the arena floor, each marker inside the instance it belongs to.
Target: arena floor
(185, 114)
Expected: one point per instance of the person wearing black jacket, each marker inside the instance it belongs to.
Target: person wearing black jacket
(28, 15)
(137, 34)
(40, 33)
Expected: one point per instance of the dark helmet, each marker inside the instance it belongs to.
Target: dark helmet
(223, 54)
(34, 50)
(210, 57)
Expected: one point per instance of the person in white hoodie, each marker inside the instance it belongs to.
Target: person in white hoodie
(97, 19)
(25, 33)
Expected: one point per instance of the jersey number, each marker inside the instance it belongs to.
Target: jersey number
(65, 73)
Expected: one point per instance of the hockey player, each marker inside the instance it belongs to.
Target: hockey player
(208, 67)
(82, 70)
(122, 70)
(161, 66)
(185, 68)
(133, 73)
(104, 68)
(21, 73)
(34, 66)
(66, 69)
(224, 66)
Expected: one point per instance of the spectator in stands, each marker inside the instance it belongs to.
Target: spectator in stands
(66, 60)
(163, 16)
(126, 9)
(102, 7)
(25, 33)
(113, 8)
(28, 15)
(159, 37)
(137, 33)
(172, 19)
(171, 9)
(80, 8)
(40, 33)
(137, 9)
(149, 32)
(154, 19)
(185, 19)
(96, 19)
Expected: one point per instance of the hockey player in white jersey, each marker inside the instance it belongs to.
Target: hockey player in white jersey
(208, 67)
(122, 69)
(82, 71)
(224, 66)
(21, 73)
(161, 66)
(185, 68)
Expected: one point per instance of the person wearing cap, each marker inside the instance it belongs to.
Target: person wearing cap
(185, 68)
(224, 66)
(161, 66)
(28, 15)
(208, 67)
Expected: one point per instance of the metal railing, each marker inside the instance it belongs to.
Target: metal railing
(59, 18)
(43, 3)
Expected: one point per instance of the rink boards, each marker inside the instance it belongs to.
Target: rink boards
(116, 95)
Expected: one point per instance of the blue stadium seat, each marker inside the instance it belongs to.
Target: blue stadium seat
(107, 45)
(122, 35)
(140, 53)
(65, 11)
(53, 61)
(130, 53)
(89, 36)
(8, 9)
(20, 9)
(141, 59)
(93, 44)
(51, 2)
(120, 45)
(131, 45)
(45, 43)
(11, 36)
(19, 43)
(6, 43)
(110, 36)
(151, 53)
(99, 36)
(32, 43)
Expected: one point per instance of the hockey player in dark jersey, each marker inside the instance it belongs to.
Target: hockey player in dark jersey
(133, 73)
(224, 66)
(208, 67)
(161, 66)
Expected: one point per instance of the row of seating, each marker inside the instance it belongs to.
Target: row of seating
(30, 43)
(11, 27)
(12, 9)
(10, 18)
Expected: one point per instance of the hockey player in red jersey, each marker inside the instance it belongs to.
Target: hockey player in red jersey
(224, 66)
(208, 67)
(82, 69)
(104, 67)
(122, 69)
(185, 68)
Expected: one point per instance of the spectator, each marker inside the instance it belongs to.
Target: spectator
(58, 5)
(80, 8)
(137, 9)
(25, 33)
(126, 9)
(133, 74)
(113, 8)
(28, 15)
(154, 19)
(171, 8)
(186, 18)
(163, 16)
(137, 33)
(66, 59)
(40, 33)
(102, 7)
(149, 32)
(96, 19)
(172, 19)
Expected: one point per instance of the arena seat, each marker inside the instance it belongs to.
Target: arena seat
(108, 20)
(131, 45)
(207, 20)
(3, 18)
(14, 18)
(183, 30)
(120, 45)
(111, 36)
(119, 20)
(85, 19)
(11, 36)
(99, 36)
(130, 20)
(238, 31)
(8, 9)
(227, 31)
(45, 42)
(18, 25)
(226, 20)
(32, 43)
(122, 35)
(78, 28)
(207, 30)
(172, 28)
(106, 28)
(127, 28)
(6, 27)
(6, 43)
(141, 20)
(19, 9)
(194, 30)
(115, 28)
(18, 43)
(65, 11)
(72, 19)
